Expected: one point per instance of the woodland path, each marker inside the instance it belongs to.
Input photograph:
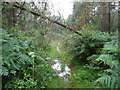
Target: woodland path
(70, 75)
(57, 66)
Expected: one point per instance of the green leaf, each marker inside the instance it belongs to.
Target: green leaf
(4, 71)
(13, 72)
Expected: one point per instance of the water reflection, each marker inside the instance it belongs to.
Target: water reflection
(57, 67)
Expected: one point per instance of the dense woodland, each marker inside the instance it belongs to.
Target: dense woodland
(34, 41)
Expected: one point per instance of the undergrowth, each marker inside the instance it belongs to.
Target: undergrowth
(23, 54)
(98, 51)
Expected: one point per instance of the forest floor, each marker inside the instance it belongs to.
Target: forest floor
(77, 75)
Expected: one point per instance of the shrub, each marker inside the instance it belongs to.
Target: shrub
(100, 51)
(109, 57)
(15, 54)
(91, 42)
(20, 59)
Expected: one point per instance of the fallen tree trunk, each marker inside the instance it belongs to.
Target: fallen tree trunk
(45, 17)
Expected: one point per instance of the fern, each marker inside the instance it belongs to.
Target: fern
(91, 42)
(111, 79)
(108, 80)
(111, 47)
(107, 60)
(109, 57)
(5, 71)
(15, 53)
(100, 50)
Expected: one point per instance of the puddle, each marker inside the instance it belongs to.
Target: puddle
(57, 67)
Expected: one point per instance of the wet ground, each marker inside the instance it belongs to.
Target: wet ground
(69, 75)
(57, 66)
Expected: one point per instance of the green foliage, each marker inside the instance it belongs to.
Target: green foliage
(89, 43)
(26, 82)
(82, 77)
(89, 27)
(107, 60)
(107, 80)
(15, 54)
(45, 75)
(99, 51)
(109, 57)
(38, 41)
(20, 60)
(110, 78)
(23, 65)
